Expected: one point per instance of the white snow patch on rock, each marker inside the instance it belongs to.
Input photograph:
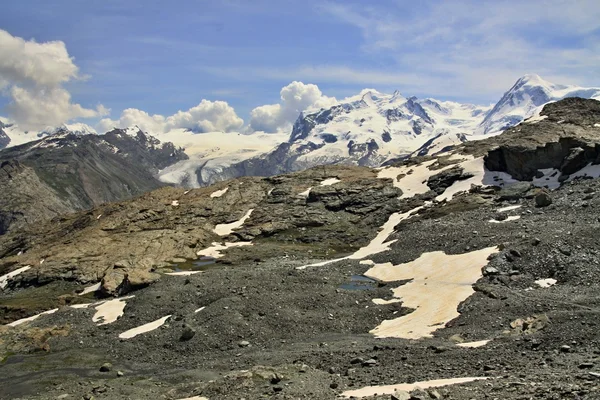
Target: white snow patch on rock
(378, 244)
(175, 203)
(330, 181)
(5, 278)
(215, 250)
(439, 283)
(305, 193)
(183, 273)
(219, 193)
(472, 345)
(144, 328)
(109, 311)
(508, 219)
(535, 119)
(91, 289)
(546, 283)
(32, 318)
(199, 309)
(408, 387)
(508, 208)
(227, 229)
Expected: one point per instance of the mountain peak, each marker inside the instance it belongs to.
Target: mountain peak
(531, 79)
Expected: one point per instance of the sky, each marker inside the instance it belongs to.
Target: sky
(238, 65)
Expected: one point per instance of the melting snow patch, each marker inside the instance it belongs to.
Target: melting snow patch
(597, 125)
(219, 193)
(195, 398)
(508, 208)
(546, 283)
(5, 278)
(175, 203)
(414, 180)
(32, 318)
(270, 191)
(182, 273)
(305, 193)
(199, 309)
(408, 387)
(472, 345)
(144, 328)
(439, 283)
(377, 245)
(536, 119)
(108, 312)
(215, 250)
(330, 181)
(227, 229)
(98, 217)
(508, 219)
(382, 302)
(90, 289)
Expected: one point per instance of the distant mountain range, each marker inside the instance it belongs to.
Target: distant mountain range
(368, 129)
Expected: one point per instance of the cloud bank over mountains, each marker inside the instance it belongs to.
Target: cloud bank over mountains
(32, 76)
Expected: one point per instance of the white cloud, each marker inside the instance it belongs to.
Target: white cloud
(32, 75)
(208, 116)
(295, 98)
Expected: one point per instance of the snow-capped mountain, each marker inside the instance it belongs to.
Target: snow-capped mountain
(526, 98)
(12, 135)
(375, 127)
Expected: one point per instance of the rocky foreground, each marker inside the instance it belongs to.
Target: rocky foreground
(335, 282)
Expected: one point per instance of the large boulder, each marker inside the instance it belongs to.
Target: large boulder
(128, 275)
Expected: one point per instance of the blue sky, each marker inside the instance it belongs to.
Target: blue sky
(162, 57)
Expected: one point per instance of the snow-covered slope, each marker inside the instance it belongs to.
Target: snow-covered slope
(211, 153)
(526, 98)
(12, 135)
(377, 127)
(75, 128)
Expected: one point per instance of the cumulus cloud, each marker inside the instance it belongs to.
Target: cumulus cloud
(295, 98)
(208, 116)
(32, 75)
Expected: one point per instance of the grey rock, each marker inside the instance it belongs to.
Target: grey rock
(543, 199)
(187, 334)
(400, 395)
(106, 367)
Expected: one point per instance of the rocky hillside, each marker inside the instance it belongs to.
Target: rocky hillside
(470, 274)
(67, 172)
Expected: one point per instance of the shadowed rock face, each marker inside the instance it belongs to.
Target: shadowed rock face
(68, 172)
(567, 140)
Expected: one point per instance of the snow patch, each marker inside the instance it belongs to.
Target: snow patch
(377, 245)
(183, 273)
(199, 309)
(227, 229)
(305, 193)
(408, 387)
(32, 318)
(508, 219)
(330, 181)
(546, 283)
(109, 311)
(175, 203)
(219, 193)
(439, 283)
(472, 345)
(91, 289)
(508, 208)
(5, 278)
(215, 250)
(535, 119)
(144, 328)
